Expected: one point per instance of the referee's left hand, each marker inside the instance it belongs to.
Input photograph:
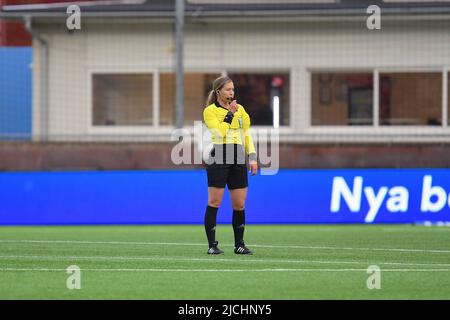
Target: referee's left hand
(253, 167)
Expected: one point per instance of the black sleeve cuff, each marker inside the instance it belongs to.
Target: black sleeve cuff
(252, 157)
(228, 117)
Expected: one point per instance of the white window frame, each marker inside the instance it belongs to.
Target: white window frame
(376, 132)
(164, 132)
(445, 93)
(120, 129)
(151, 132)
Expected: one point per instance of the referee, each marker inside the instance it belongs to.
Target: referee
(229, 125)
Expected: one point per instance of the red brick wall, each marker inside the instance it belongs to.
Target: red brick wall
(13, 34)
(23, 156)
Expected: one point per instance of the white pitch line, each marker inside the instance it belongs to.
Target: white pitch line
(201, 244)
(355, 248)
(214, 259)
(223, 270)
(430, 229)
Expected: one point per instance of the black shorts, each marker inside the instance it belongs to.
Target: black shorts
(227, 168)
(232, 175)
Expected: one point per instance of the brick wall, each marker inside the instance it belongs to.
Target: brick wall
(20, 156)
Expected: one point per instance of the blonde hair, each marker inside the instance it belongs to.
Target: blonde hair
(216, 85)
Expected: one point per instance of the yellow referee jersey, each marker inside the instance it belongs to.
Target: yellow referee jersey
(223, 132)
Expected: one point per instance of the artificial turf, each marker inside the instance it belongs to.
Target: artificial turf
(170, 262)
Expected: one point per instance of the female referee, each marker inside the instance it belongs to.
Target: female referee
(229, 125)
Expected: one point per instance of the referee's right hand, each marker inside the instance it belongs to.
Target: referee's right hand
(233, 106)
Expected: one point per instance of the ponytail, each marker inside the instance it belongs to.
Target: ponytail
(216, 85)
(212, 98)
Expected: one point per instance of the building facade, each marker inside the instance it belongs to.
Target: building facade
(338, 93)
(13, 34)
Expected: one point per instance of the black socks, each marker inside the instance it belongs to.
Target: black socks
(210, 224)
(238, 226)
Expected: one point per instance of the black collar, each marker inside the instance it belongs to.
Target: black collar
(218, 105)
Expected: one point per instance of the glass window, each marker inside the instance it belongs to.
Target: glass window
(410, 98)
(261, 94)
(122, 99)
(196, 89)
(341, 99)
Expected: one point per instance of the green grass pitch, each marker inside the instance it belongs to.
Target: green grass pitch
(170, 262)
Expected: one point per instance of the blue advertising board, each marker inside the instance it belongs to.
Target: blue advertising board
(180, 197)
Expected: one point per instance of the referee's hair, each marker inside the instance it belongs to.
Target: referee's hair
(216, 86)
